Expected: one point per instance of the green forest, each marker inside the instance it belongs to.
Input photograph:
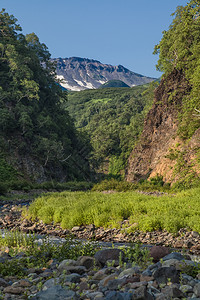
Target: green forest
(37, 135)
(113, 119)
(49, 134)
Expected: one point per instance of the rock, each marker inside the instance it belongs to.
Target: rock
(76, 228)
(147, 272)
(113, 295)
(104, 282)
(99, 275)
(129, 272)
(13, 290)
(65, 263)
(86, 261)
(74, 278)
(158, 252)
(197, 289)
(116, 284)
(102, 256)
(142, 294)
(186, 288)
(174, 255)
(24, 283)
(55, 292)
(3, 283)
(172, 291)
(83, 286)
(181, 265)
(164, 274)
(49, 283)
(75, 269)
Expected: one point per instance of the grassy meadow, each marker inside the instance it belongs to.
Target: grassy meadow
(147, 213)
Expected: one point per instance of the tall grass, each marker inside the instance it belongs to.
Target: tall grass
(148, 213)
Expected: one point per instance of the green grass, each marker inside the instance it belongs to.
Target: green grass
(147, 212)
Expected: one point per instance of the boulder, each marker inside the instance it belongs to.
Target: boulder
(166, 274)
(102, 256)
(158, 252)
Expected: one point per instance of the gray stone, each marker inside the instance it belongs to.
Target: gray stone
(103, 256)
(75, 269)
(13, 290)
(155, 266)
(104, 281)
(51, 282)
(197, 289)
(55, 292)
(173, 291)
(116, 283)
(94, 295)
(65, 263)
(99, 275)
(173, 255)
(113, 295)
(186, 288)
(86, 261)
(186, 279)
(164, 274)
(129, 272)
(3, 282)
(161, 296)
(74, 278)
(147, 272)
(142, 294)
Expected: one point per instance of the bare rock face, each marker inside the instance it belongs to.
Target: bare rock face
(152, 154)
(78, 74)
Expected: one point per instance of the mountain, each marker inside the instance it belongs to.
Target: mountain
(113, 84)
(78, 74)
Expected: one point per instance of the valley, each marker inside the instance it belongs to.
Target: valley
(95, 152)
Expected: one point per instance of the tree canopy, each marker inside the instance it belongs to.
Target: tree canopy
(33, 122)
(180, 49)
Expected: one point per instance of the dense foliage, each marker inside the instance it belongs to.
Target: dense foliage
(82, 208)
(113, 83)
(33, 124)
(180, 49)
(113, 119)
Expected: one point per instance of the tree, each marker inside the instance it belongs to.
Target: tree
(32, 119)
(180, 49)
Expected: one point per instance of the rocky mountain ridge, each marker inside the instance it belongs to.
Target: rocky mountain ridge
(78, 74)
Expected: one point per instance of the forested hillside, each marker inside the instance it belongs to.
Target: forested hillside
(113, 118)
(170, 142)
(38, 140)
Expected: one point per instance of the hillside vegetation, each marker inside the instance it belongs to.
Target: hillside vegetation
(38, 140)
(113, 119)
(170, 142)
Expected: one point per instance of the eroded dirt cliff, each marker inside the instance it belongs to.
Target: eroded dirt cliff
(160, 150)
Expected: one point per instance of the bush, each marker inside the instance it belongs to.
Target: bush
(83, 208)
(3, 188)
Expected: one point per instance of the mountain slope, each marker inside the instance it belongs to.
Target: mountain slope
(113, 119)
(78, 74)
(113, 84)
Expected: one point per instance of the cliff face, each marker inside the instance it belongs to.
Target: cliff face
(160, 150)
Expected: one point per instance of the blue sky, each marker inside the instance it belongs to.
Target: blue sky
(112, 31)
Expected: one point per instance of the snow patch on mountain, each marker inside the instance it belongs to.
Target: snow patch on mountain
(78, 74)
